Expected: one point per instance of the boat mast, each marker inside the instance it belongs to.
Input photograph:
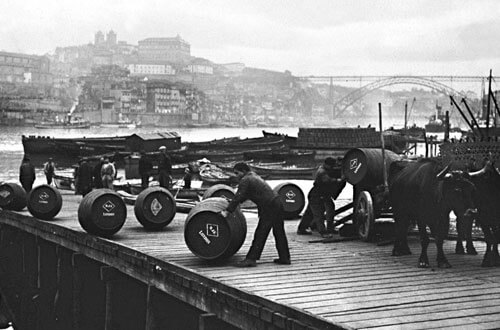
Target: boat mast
(488, 110)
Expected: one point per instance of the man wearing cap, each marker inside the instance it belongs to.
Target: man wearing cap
(145, 167)
(271, 215)
(27, 174)
(164, 168)
(108, 173)
(84, 177)
(328, 184)
(48, 170)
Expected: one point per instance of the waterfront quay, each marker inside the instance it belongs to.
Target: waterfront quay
(53, 275)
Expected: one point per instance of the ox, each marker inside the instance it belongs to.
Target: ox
(487, 182)
(420, 193)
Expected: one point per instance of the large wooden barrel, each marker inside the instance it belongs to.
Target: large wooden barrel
(155, 208)
(365, 166)
(219, 190)
(209, 235)
(293, 199)
(102, 212)
(44, 202)
(12, 196)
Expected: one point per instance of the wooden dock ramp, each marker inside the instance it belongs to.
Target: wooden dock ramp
(337, 285)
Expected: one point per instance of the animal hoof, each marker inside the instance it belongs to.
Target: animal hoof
(445, 264)
(398, 253)
(471, 252)
(458, 251)
(423, 265)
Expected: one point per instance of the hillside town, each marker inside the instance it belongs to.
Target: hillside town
(159, 82)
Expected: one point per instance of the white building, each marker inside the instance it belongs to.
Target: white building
(150, 69)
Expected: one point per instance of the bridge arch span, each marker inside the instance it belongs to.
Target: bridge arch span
(345, 102)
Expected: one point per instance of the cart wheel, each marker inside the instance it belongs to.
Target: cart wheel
(364, 216)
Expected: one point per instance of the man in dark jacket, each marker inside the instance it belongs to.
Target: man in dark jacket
(27, 174)
(326, 187)
(97, 177)
(145, 167)
(84, 177)
(271, 215)
(48, 169)
(164, 168)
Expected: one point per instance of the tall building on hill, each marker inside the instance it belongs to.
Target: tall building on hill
(23, 68)
(99, 38)
(111, 38)
(174, 50)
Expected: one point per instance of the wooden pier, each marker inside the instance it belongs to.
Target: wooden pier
(53, 275)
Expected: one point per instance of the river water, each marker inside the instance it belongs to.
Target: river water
(11, 148)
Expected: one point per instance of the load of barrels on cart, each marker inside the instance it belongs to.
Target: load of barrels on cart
(212, 237)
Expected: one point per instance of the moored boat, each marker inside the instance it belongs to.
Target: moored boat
(289, 156)
(70, 123)
(85, 146)
(237, 143)
(284, 172)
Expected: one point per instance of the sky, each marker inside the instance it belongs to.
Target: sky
(313, 37)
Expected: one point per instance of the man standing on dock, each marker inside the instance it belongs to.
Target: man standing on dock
(145, 167)
(326, 187)
(271, 215)
(27, 174)
(97, 177)
(84, 177)
(108, 173)
(48, 169)
(164, 168)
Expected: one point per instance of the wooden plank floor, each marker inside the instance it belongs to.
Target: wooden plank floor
(353, 283)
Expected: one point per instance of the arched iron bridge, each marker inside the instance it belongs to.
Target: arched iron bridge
(341, 105)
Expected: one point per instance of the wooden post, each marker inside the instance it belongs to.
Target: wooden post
(383, 144)
(447, 126)
(406, 116)
(150, 323)
(488, 110)
(426, 146)
(108, 275)
(77, 288)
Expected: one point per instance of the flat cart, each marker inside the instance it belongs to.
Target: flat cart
(364, 169)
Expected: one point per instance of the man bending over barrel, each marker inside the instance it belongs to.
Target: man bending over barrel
(328, 184)
(271, 215)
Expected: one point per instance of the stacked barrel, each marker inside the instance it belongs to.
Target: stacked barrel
(209, 235)
(344, 137)
(12, 196)
(102, 212)
(470, 155)
(155, 208)
(44, 202)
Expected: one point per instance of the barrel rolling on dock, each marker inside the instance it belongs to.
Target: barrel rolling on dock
(219, 190)
(293, 199)
(155, 208)
(364, 168)
(12, 196)
(209, 235)
(102, 212)
(44, 202)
